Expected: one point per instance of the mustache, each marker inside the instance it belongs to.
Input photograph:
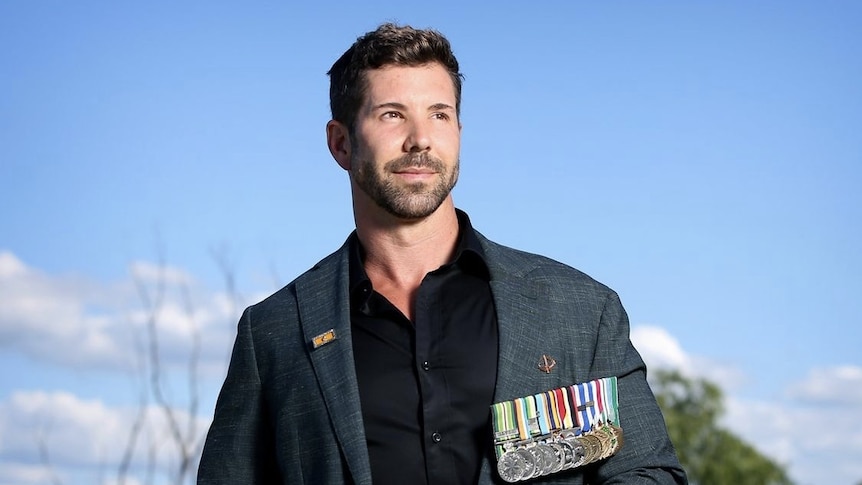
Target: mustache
(415, 160)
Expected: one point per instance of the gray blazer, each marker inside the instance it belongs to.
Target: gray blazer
(289, 413)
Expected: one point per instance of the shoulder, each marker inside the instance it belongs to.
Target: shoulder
(508, 263)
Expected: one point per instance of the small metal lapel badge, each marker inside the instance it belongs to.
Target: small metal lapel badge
(547, 363)
(323, 339)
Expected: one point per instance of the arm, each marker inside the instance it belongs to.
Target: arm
(647, 455)
(239, 446)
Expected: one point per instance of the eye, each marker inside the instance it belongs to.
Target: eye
(391, 115)
(440, 116)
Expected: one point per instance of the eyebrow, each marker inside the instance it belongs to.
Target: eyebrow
(441, 106)
(392, 104)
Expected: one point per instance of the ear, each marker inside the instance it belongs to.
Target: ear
(338, 140)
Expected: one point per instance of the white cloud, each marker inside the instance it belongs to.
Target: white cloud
(658, 348)
(661, 350)
(154, 273)
(817, 445)
(83, 329)
(814, 428)
(25, 474)
(841, 385)
(76, 429)
(10, 266)
(80, 323)
(81, 434)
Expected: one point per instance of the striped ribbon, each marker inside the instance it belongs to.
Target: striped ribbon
(505, 427)
(542, 413)
(532, 416)
(579, 407)
(577, 420)
(613, 400)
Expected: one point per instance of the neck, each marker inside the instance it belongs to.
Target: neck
(401, 248)
(399, 253)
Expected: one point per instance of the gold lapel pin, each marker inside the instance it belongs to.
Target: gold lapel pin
(547, 363)
(323, 339)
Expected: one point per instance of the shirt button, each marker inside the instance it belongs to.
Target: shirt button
(436, 437)
(426, 365)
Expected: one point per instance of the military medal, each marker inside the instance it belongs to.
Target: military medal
(592, 447)
(559, 455)
(556, 430)
(549, 458)
(530, 469)
(611, 438)
(511, 467)
(606, 446)
(568, 454)
(578, 452)
(539, 458)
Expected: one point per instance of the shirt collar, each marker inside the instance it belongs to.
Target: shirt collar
(469, 256)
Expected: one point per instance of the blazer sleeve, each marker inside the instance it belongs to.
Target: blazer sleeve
(239, 447)
(647, 455)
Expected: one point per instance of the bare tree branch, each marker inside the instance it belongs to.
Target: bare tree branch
(182, 437)
(186, 444)
(152, 461)
(45, 457)
(140, 418)
(134, 433)
(153, 306)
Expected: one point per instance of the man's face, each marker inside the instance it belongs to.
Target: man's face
(404, 151)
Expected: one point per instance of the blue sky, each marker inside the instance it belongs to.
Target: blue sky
(703, 159)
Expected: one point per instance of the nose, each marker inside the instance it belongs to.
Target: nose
(418, 137)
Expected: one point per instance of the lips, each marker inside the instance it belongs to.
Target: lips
(416, 164)
(416, 171)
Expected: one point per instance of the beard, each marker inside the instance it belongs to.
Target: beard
(406, 201)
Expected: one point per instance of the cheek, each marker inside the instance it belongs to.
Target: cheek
(451, 144)
(382, 137)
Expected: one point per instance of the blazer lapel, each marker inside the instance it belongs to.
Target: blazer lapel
(516, 310)
(324, 308)
(515, 301)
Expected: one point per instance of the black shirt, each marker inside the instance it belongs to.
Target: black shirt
(426, 386)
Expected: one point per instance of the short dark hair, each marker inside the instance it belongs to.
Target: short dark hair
(390, 44)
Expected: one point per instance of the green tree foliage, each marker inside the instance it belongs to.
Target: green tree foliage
(710, 454)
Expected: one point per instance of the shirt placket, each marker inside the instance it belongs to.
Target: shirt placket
(431, 381)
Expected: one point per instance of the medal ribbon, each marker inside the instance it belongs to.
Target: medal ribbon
(505, 425)
(532, 416)
(576, 415)
(579, 407)
(542, 413)
(571, 409)
(609, 411)
(594, 409)
(582, 408)
(552, 410)
(615, 400)
(521, 415)
(561, 408)
(600, 400)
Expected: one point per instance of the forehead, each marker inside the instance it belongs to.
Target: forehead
(426, 82)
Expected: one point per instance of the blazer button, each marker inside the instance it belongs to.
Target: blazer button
(426, 365)
(436, 437)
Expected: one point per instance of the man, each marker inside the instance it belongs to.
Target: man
(380, 364)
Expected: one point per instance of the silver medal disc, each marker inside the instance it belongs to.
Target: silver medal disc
(530, 468)
(511, 466)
